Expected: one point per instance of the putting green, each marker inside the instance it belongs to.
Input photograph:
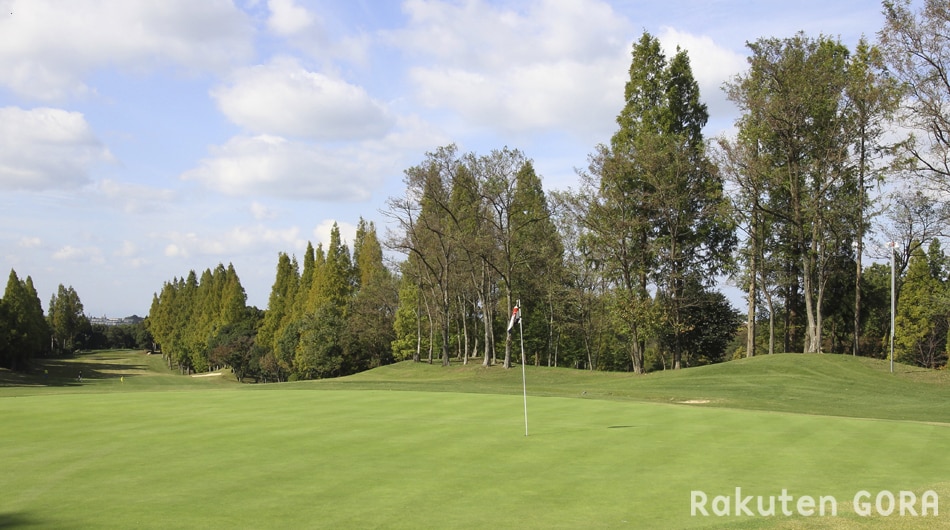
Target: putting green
(296, 457)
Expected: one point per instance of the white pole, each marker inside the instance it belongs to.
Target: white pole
(524, 384)
(893, 245)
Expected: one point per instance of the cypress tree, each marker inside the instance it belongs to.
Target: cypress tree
(280, 302)
(923, 312)
(370, 313)
(27, 333)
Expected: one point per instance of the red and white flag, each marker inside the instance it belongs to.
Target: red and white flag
(515, 317)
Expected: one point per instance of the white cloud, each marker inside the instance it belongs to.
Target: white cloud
(127, 250)
(271, 166)
(554, 64)
(237, 241)
(134, 198)
(544, 65)
(48, 46)
(287, 17)
(79, 254)
(547, 95)
(322, 34)
(46, 148)
(137, 263)
(477, 34)
(30, 242)
(285, 99)
(130, 252)
(175, 251)
(261, 212)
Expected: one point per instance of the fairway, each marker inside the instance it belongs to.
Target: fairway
(209, 453)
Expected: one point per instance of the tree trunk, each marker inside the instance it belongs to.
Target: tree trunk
(550, 329)
(859, 248)
(811, 324)
(417, 355)
(485, 298)
(464, 331)
(753, 276)
(636, 351)
(770, 304)
(508, 339)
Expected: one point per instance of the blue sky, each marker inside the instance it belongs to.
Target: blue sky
(140, 139)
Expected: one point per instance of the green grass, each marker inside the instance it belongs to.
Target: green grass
(103, 371)
(837, 385)
(418, 446)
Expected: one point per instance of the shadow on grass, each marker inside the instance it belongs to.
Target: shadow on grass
(19, 520)
(66, 372)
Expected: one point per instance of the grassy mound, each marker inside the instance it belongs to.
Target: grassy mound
(837, 385)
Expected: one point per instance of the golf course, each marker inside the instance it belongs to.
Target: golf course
(135, 445)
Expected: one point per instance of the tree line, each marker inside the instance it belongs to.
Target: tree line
(816, 161)
(27, 333)
(333, 317)
(621, 272)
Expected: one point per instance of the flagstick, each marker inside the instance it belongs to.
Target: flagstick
(524, 385)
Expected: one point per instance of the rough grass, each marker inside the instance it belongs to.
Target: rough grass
(137, 446)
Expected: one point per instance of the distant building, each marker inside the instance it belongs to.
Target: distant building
(106, 321)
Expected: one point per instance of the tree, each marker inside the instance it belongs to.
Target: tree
(279, 304)
(476, 278)
(653, 201)
(287, 335)
(695, 235)
(233, 306)
(612, 204)
(24, 333)
(333, 277)
(424, 220)
(370, 315)
(539, 258)
(873, 97)
(38, 333)
(235, 346)
(586, 287)
(742, 167)
(319, 352)
(923, 312)
(474, 229)
(514, 209)
(792, 99)
(912, 217)
(710, 324)
(7, 337)
(188, 315)
(66, 318)
(876, 309)
(917, 50)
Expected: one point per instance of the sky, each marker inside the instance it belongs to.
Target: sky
(142, 139)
